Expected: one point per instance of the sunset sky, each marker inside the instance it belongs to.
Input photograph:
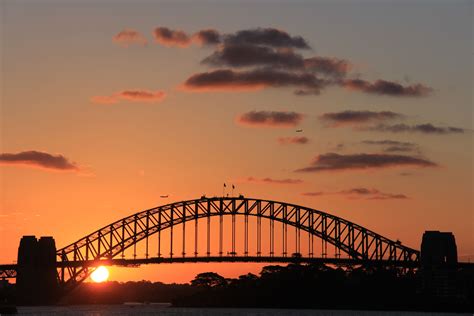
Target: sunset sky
(106, 105)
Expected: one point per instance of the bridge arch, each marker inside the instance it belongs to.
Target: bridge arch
(111, 241)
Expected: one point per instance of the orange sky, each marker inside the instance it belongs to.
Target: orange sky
(106, 107)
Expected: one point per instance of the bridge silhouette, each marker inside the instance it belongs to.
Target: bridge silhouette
(112, 244)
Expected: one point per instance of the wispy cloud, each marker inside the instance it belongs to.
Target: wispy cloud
(350, 117)
(270, 119)
(130, 37)
(361, 193)
(427, 128)
(329, 66)
(169, 37)
(136, 95)
(384, 87)
(393, 145)
(273, 181)
(363, 161)
(39, 159)
(301, 140)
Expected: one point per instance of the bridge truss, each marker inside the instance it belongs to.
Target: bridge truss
(109, 244)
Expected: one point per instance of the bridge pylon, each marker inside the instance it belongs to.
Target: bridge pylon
(36, 272)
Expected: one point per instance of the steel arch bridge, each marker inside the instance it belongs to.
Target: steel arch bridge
(108, 244)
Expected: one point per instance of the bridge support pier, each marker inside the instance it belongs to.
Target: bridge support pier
(438, 263)
(36, 280)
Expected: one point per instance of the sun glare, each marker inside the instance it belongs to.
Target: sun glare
(100, 274)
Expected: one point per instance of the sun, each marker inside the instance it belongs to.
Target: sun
(100, 274)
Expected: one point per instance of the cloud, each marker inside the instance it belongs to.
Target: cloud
(244, 55)
(142, 95)
(355, 193)
(268, 37)
(247, 55)
(169, 38)
(230, 80)
(336, 119)
(319, 193)
(337, 162)
(301, 140)
(271, 54)
(39, 159)
(207, 37)
(393, 145)
(427, 128)
(129, 37)
(270, 118)
(273, 181)
(136, 95)
(384, 87)
(328, 66)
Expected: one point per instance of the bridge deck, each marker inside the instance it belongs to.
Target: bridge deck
(9, 270)
(256, 259)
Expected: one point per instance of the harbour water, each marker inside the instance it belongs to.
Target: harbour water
(152, 309)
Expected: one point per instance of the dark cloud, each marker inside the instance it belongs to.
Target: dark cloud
(130, 95)
(420, 128)
(336, 162)
(168, 37)
(384, 87)
(355, 193)
(268, 37)
(244, 55)
(328, 66)
(270, 118)
(247, 55)
(271, 53)
(349, 117)
(274, 181)
(393, 145)
(207, 37)
(230, 80)
(302, 140)
(38, 159)
(128, 37)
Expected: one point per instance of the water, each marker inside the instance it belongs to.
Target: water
(152, 309)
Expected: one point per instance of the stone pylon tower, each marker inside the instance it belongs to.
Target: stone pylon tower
(36, 280)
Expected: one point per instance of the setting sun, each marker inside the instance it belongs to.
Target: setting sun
(100, 274)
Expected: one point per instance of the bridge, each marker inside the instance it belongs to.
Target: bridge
(218, 229)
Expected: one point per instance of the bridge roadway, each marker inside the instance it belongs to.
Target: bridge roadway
(9, 270)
